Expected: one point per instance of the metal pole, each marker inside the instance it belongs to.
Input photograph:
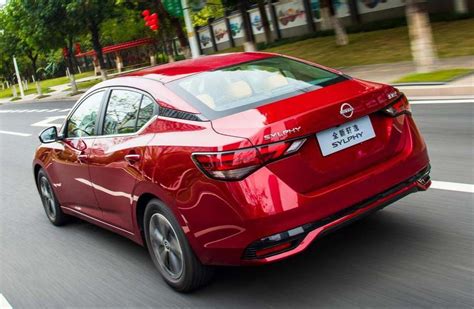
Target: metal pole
(193, 44)
(22, 93)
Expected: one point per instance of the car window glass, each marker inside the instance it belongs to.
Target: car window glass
(221, 92)
(147, 111)
(122, 112)
(83, 121)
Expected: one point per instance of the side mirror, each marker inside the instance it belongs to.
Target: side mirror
(49, 135)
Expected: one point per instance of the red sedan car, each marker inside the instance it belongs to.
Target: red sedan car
(236, 159)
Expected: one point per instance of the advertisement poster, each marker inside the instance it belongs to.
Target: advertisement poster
(220, 32)
(367, 6)
(290, 14)
(236, 26)
(342, 8)
(205, 38)
(256, 20)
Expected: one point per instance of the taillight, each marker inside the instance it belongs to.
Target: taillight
(398, 107)
(237, 164)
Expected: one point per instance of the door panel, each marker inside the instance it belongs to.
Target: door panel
(70, 164)
(72, 172)
(116, 156)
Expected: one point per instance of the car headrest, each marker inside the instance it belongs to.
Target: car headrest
(239, 89)
(206, 99)
(274, 81)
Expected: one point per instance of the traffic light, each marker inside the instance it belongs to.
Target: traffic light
(151, 20)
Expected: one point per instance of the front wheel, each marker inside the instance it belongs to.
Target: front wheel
(170, 250)
(50, 203)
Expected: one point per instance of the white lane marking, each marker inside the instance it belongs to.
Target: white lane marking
(4, 303)
(14, 133)
(456, 101)
(48, 122)
(54, 110)
(452, 186)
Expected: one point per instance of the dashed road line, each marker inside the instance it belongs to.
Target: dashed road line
(452, 186)
(49, 122)
(19, 111)
(15, 133)
(4, 304)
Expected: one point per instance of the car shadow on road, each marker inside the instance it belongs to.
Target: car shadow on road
(350, 260)
(333, 269)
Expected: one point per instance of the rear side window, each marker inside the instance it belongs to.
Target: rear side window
(226, 91)
(127, 111)
(83, 120)
(147, 111)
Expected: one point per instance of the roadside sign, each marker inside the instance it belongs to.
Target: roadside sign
(173, 7)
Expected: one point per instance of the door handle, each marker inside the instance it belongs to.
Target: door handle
(132, 158)
(82, 158)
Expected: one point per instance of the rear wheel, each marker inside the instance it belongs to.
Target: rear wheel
(50, 203)
(170, 250)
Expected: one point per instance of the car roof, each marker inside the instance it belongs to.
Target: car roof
(175, 70)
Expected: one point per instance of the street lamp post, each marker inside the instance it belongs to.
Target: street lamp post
(22, 93)
(193, 44)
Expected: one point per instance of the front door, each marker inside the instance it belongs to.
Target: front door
(70, 164)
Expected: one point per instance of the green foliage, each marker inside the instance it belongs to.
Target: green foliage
(213, 9)
(126, 26)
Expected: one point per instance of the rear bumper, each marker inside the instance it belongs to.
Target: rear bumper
(311, 231)
(224, 220)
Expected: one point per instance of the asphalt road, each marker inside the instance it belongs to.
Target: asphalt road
(415, 253)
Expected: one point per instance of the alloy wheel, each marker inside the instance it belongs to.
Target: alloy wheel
(166, 246)
(47, 196)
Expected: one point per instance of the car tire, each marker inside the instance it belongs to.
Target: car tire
(170, 251)
(50, 203)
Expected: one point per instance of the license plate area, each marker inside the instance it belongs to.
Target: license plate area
(345, 135)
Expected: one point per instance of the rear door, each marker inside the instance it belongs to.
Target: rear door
(116, 155)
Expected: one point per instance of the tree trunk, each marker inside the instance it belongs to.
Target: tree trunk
(70, 65)
(460, 6)
(94, 29)
(421, 38)
(325, 13)
(183, 40)
(265, 23)
(33, 58)
(176, 24)
(249, 44)
(341, 35)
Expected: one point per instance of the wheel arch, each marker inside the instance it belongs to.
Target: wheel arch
(37, 167)
(140, 212)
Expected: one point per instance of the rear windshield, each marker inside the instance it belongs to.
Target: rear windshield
(247, 85)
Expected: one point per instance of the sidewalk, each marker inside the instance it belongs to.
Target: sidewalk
(389, 72)
(383, 73)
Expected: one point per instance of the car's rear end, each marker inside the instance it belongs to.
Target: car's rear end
(327, 149)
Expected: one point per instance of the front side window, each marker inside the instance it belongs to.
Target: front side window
(82, 122)
(127, 111)
(225, 91)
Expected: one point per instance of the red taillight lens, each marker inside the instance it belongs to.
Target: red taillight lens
(235, 165)
(400, 106)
